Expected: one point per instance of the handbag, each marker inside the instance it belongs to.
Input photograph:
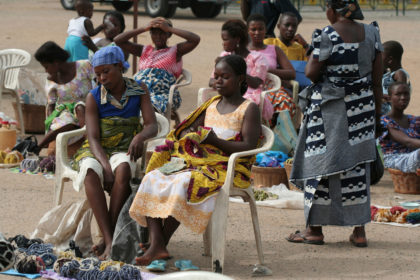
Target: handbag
(27, 145)
(376, 168)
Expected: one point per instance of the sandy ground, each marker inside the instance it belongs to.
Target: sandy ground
(393, 252)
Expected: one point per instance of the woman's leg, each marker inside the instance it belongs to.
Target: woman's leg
(120, 192)
(358, 237)
(97, 200)
(157, 249)
(170, 225)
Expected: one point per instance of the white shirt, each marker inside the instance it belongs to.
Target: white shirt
(77, 27)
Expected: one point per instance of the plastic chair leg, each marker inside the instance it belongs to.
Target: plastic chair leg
(219, 223)
(207, 240)
(257, 233)
(58, 191)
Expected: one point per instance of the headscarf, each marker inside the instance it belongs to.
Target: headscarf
(109, 55)
(347, 8)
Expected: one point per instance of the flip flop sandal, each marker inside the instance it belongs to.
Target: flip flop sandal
(303, 239)
(357, 244)
(157, 266)
(185, 265)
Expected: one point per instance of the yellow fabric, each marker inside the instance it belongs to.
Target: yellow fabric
(208, 164)
(293, 52)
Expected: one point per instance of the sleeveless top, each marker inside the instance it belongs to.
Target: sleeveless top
(270, 56)
(162, 59)
(388, 79)
(77, 27)
(226, 125)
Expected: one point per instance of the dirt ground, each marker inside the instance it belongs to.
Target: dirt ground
(393, 252)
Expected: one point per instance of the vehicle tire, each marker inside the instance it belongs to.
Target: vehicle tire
(68, 4)
(171, 11)
(122, 6)
(205, 9)
(156, 8)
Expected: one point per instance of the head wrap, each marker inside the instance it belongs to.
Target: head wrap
(109, 55)
(347, 8)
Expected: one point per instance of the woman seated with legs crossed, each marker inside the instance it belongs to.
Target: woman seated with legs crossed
(159, 65)
(184, 175)
(106, 161)
(401, 140)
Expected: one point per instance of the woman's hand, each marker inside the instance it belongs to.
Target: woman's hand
(299, 39)
(108, 179)
(211, 138)
(135, 150)
(162, 24)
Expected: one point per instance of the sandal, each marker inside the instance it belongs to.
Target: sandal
(298, 237)
(185, 265)
(157, 266)
(357, 244)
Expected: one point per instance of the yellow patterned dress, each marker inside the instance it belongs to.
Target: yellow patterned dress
(189, 195)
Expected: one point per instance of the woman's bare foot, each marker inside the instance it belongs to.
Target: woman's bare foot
(151, 255)
(106, 253)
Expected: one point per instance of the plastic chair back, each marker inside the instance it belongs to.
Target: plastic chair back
(10, 61)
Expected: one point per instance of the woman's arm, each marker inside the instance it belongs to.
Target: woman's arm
(402, 138)
(253, 82)
(185, 47)
(122, 40)
(52, 99)
(286, 70)
(87, 41)
(314, 68)
(93, 31)
(93, 134)
(245, 9)
(150, 128)
(194, 126)
(251, 131)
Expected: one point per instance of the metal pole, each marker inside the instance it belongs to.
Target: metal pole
(135, 13)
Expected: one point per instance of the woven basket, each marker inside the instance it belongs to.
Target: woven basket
(288, 168)
(33, 117)
(408, 183)
(268, 176)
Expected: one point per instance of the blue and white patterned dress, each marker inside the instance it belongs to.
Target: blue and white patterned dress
(337, 137)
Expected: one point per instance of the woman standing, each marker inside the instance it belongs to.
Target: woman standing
(337, 139)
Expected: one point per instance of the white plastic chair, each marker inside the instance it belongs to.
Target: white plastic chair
(64, 172)
(10, 62)
(183, 80)
(297, 118)
(193, 275)
(218, 223)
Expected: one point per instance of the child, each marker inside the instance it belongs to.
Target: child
(226, 124)
(235, 41)
(292, 44)
(393, 71)
(106, 161)
(159, 65)
(78, 27)
(401, 140)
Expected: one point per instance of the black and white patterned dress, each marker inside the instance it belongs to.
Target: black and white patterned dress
(337, 137)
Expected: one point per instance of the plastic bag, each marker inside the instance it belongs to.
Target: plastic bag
(70, 221)
(271, 159)
(284, 133)
(31, 87)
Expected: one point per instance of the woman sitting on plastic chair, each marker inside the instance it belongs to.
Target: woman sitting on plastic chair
(115, 140)
(184, 175)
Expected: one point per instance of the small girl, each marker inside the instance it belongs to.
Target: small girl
(235, 41)
(401, 140)
(184, 176)
(78, 27)
(159, 65)
(106, 161)
(278, 64)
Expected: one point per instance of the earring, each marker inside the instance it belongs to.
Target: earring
(237, 45)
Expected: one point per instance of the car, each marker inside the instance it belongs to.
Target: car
(165, 8)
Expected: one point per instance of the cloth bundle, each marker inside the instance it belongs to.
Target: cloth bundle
(271, 159)
(395, 214)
